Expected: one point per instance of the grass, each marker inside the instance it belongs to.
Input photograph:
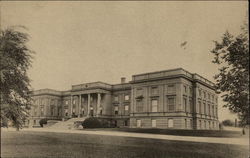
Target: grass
(28, 144)
(178, 132)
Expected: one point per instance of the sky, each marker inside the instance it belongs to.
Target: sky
(80, 42)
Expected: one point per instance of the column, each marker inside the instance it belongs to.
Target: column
(71, 105)
(98, 103)
(88, 104)
(79, 105)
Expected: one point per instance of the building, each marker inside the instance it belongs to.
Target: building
(172, 98)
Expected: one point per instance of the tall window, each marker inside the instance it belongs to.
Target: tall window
(66, 112)
(199, 92)
(209, 109)
(170, 123)
(139, 106)
(153, 123)
(199, 106)
(138, 123)
(204, 94)
(154, 104)
(35, 112)
(42, 110)
(171, 88)
(116, 110)
(126, 97)
(204, 108)
(185, 123)
(200, 124)
(212, 111)
(116, 98)
(52, 110)
(139, 92)
(66, 102)
(185, 104)
(185, 89)
(154, 91)
(190, 105)
(171, 103)
(126, 107)
(190, 91)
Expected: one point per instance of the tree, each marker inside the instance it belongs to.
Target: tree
(232, 56)
(15, 59)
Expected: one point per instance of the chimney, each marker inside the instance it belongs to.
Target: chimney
(123, 80)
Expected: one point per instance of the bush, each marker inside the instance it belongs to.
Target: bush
(42, 122)
(228, 123)
(92, 122)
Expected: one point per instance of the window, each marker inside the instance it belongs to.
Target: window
(204, 108)
(153, 123)
(190, 91)
(35, 112)
(199, 92)
(208, 95)
(34, 122)
(42, 110)
(212, 98)
(200, 124)
(154, 91)
(185, 89)
(126, 107)
(66, 102)
(205, 124)
(199, 106)
(190, 105)
(66, 112)
(212, 111)
(204, 94)
(52, 110)
(126, 123)
(138, 123)
(185, 123)
(209, 109)
(191, 123)
(74, 102)
(100, 111)
(170, 123)
(171, 88)
(185, 104)
(139, 106)
(116, 110)
(171, 103)
(116, 98)
(139, 92)
(154, 105)
(83, 111)
(126, 97)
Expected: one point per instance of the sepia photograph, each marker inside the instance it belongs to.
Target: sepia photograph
(124, 79)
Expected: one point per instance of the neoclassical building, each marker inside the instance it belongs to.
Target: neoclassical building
(172, 98)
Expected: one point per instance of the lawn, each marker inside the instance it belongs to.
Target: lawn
(178, 132)
(54, 145)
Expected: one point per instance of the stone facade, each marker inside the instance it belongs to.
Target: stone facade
(165, 99)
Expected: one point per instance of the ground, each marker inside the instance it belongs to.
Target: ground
(72, 145)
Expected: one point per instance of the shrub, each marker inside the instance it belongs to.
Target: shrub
(92, 122)
(228, 123)
(42, 122)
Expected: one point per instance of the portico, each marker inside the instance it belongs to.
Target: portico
(86, 104)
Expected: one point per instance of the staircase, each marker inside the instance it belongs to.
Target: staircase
(69, 124)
